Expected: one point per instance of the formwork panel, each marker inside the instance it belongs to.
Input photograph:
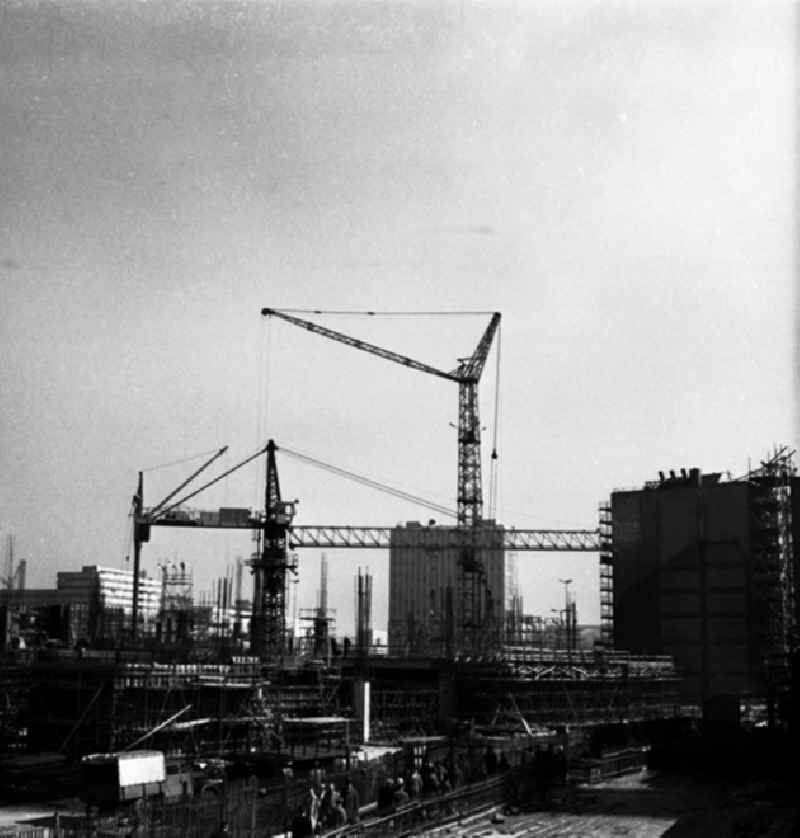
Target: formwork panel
(726, 602)
(728, 658)
(678, 524)
(722, 629)
(625, 519)
(726, 577)
(726, 514)
(688, 656)
(681, 629)
(691, 684)
(681, 578)
(682, 604)
(730, 683)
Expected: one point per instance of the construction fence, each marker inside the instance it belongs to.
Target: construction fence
(247, 810)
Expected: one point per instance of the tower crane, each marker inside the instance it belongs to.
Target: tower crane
(469, 493)
(278, 536)
(270, 563)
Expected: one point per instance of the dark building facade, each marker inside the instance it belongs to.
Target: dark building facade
(703, 568)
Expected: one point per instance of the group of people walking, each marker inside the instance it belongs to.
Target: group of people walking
(326, 807)
(428, 779)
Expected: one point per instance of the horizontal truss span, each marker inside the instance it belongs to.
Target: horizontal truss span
(380, 538)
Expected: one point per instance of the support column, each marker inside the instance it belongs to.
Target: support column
(138, 505)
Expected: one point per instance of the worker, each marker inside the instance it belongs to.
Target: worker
(327, 802)
(459, 771)
(338, 817)
(311, 808)
(400, 795)
(386, 794)
(490, 760)
(317, 774)
(415, 783)
(431, 781)
(351, 802)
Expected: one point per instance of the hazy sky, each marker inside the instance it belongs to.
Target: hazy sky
(616, 178)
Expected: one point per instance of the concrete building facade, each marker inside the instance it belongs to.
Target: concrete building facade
(703, 569)
(426, 597)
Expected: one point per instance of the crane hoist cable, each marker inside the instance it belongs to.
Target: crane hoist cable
(263, 375)
(493, 470)
(127, 539)
(373, 484)
(180, 462)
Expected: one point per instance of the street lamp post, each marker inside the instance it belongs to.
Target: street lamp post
(568, 622)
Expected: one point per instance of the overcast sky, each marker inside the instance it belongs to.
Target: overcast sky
(615, 178)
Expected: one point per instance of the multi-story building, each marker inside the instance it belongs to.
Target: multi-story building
(91, 604)
(427, 600)
(108, 593)
(703, 568)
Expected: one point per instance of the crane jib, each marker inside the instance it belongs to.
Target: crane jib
(332, 334)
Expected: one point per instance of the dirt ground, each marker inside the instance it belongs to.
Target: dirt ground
(650, 805)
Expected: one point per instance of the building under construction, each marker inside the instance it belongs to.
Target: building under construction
(703, 567)
(426, 590)
(697, 598)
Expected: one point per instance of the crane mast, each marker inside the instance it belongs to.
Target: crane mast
(470, 489)
(270, 565)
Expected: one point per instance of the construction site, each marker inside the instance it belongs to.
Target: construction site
(246, 698)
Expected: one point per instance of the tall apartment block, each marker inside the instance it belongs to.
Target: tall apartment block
(703, 567)
(426, 598)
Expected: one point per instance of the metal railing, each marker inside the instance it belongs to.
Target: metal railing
(428, 811)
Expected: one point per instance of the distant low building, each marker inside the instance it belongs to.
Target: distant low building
(108, 593)
(35, 615)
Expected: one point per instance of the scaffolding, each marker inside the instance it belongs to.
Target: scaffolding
(317, 633)
(318, 625)
(606, 574)
(80, 705)
(772, 571)
(563, 688)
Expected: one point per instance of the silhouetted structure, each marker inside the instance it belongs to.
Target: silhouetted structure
(704, 569)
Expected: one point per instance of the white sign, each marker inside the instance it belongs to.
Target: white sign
(140, 767)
